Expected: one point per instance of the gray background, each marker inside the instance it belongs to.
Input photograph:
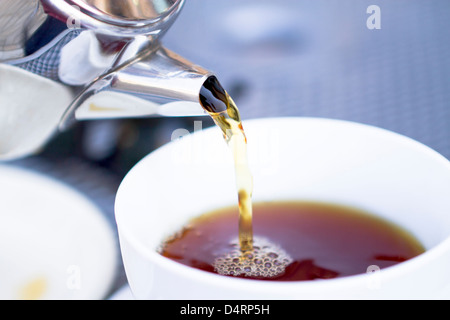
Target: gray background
(318, 58)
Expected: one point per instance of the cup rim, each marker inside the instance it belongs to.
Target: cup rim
(224, 281)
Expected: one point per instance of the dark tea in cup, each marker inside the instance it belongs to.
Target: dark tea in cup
(293, 241)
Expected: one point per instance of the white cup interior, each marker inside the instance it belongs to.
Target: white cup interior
(291, 159)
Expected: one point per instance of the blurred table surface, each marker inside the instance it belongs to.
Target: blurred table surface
(284, 58)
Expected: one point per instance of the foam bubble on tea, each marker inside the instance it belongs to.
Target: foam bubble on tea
(265, 260)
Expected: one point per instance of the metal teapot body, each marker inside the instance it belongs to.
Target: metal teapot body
(107, 52)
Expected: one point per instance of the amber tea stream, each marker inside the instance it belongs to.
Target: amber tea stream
(221, 107)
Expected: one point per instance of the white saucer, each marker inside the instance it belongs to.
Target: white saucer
(54, 243)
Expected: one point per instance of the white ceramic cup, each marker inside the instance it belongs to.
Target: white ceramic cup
(291, 159)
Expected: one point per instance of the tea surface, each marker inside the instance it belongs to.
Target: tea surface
(304, 241)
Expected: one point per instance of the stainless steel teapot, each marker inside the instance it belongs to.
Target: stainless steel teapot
(107, 52)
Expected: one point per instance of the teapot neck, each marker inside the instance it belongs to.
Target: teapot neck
(157, 83)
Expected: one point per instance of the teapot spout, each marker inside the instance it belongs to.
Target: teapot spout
(159, 83)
